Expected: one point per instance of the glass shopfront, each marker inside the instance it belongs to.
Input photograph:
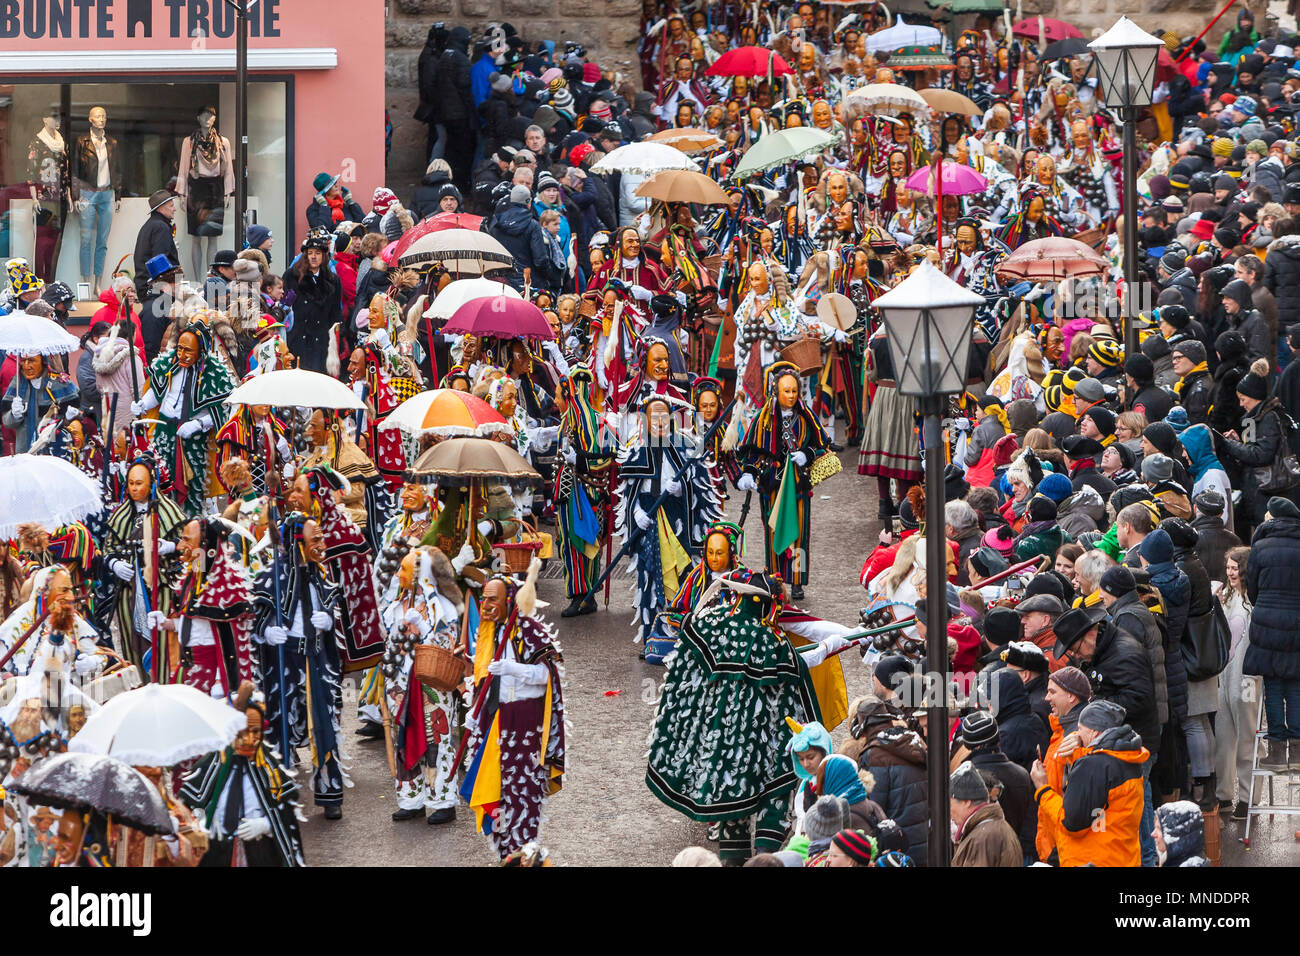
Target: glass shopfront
(79, 231)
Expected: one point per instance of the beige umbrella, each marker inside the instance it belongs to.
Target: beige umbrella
(470, 458)
(885, 99)
(460, 251)
(837, 311)
(950, 101)
(682, 185)
(686, 138)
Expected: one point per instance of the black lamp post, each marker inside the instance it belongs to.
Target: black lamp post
(1126, 57)
(928, 321)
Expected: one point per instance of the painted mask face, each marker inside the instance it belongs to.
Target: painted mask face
(508, 400)
(965, 68)
(313, 542)
(755, 118)
(470, 349)
(68, 842)
(740, 86)
(495, 604)
(187, 349)
(807, 58)
(684, 69)
(566, 310)
(685, 115)
(656, 362)
(139, 482)
(897, 165)
(1004, 58)
(1046, 170)
(858, 134)
(717, 553)
(1079, 135)
(299, 498)
(787, 391)
(660, 420)
(357, 365)
(76, 434)
(317, 430)
(966, 240)
(1035, 211)
(414, 498)
(250, 738)
(792, 120)
(758, 278)
(406, 573)
(765, 241)
(188, 546)
(837, 187)
(902, 133)
(630, 244)
(707, 406)
(844, 218)
(33, 367)
(861, 265)
(821, 114)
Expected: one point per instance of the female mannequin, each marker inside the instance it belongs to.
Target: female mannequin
(205, 181)
(47, 173)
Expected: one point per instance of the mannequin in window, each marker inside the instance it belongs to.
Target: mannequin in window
(47, 174)
(97, 191)
(206, 182)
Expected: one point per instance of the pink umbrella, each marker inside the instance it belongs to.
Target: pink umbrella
(502, 318)
(388, 254)
(436, 223)
(956, 180)
(1053, 259)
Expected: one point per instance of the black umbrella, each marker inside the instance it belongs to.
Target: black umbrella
(86, 782)
(1070, 46)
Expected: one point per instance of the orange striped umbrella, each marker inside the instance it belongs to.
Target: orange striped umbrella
(448, 413)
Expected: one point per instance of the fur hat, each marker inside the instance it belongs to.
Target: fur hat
(1026, 655)
(246, 270)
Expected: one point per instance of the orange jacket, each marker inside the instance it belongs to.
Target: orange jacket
(1096, 818)
(1045, 841)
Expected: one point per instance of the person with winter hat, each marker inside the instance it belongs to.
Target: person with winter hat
(1261, 341)
(331, 204)
(1144, 396)
(977, 739)
(1259, 447)
(980, 830)
(851, 848)
(1098, 815)
(1180, 834)
(1038, 614)
(1068, 692)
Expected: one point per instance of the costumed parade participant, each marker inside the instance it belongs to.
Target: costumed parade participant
(30, 397)
(516, 727)
(46, 631)
(583, 489)
(364, 495)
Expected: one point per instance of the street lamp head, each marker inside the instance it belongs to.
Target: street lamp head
(1126, 58)
(928, 321)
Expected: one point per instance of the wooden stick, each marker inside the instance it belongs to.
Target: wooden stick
(388, 726)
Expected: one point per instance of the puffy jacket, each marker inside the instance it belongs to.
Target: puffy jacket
(1121, 670)
(516, 229)
(1225, 410)
(1056, 765)
(1256, 457)
(1082, 511)
(987, 840)
(1034, 540)
(1022, 735)
(1196, 395)
(896, 759)
(1269, 173)
(451, 81)
(1282, 278)
(1017, 798)
(1261, 341)
(1273, 587)
(1213, 542)
(1097, 817)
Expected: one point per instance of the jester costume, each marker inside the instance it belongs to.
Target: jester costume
(717, 749)
(301, 677)
(583, 487)
(216, 614)
(365, 495)
(384, 447)
(688, 597)
(183, 395)
(670, 535)
(773, 444)
(517, 744)
(242, 436)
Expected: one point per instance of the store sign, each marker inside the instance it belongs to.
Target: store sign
(133, 19)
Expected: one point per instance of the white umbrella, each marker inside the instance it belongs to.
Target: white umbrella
(46, 490)
(884, 98)
(455, 294)
(903, 34)
(644, 158)
(460, 251)
(23, 334)
(159, 725)
(298, 387)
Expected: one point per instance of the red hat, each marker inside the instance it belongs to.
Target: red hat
(1227, 99)
(1203, 229)
(580, 152)
(590, 73)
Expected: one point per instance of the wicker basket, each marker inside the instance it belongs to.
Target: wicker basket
(805, 353)
(438, 667)
(517, 555)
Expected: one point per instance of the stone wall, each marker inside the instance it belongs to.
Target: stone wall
(609, 29)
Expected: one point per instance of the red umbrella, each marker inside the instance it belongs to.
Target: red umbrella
(500, 317)
(749, 61)
(436, 223)
(1052, 30)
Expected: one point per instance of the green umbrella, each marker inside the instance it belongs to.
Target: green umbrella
(785, 146)
(918, 58)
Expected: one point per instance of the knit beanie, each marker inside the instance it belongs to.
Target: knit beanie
(858, 846)
(1001, 626)
(521, 195)
(891, 669)
(1279, 507)
(967, 784)
(1253, 386)
(1042, 509)
(979, 729)
(1141, 368)
(1159, 186)
(1191, 349)
(1178, 420)
(1073, 681)
(1106, 352)
(825, 818)
(1102, 715)
(1157, 468)
(1157, 548)
(1056, 487)
(1239, 291)
(1103, 418)
(1118, 581)
(1222, 146)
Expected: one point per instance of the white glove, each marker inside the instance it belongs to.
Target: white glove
(509, 668)
(189, 429)
(681, 298)
(288, 471)
(572, 343)
(961, 424)
(642, 519)
(359, 389)
(485, 527)
(283, 448)
(747, 483)
(137, 409)
(322, 620)
(154, 620)
(570, 456)
(73, 413)
(464, 558)
(799, 458)
(380, 338)
(123, 570)
(216, 693)
(252, 828)
(17, 408)
(833, 644)
(673, 486)
(840, 336)
(641, 293)
(275, 635)
(412, 616)
(87, 664)
(166, 547)
(363, 320)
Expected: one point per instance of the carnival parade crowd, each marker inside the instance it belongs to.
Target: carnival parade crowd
(615, 313)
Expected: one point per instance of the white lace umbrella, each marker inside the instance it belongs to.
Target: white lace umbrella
(645, 159)
(455, 294)
(459, 251)
(903, 34)
(886, 99)
(23, 334)
(297, 387)
(159, 725)
(46, 490)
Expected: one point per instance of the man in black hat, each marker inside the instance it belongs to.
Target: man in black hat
(155, 238)
(1081, 462)
(221, 272)
(1038, 613)
(1146, 398)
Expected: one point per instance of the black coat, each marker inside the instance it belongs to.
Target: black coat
(319, 304)
(1256, 458)
(1121, 671)
(1017, 798)
(426, 78)
(1091, 477)
(1022, 734)
(424, 201)
(516, 229)
(451, 82)
(896, 759)
(154, 239)
(1282, 278)
(1175, 600)
(320, 217)
(1273, 587)
(1225, 411)
(1196, 396)
(1213, 543)
(1288, 388)
(1152, 401)
(1261, 341)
